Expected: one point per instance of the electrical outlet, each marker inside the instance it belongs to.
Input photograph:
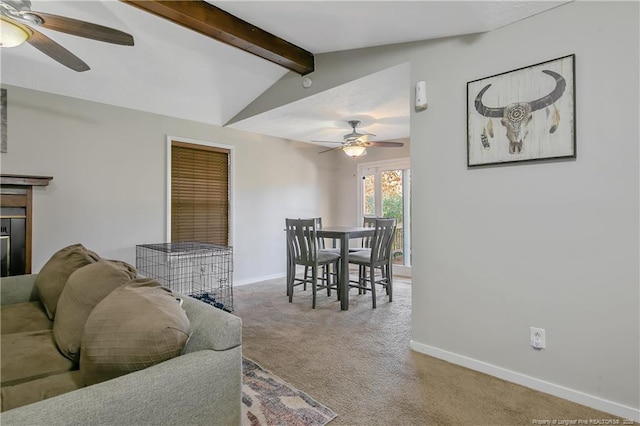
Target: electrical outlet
(538, 338)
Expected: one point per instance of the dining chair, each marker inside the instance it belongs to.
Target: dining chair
(379, 256)
(367, 222)
(326, 273)
(303, 248)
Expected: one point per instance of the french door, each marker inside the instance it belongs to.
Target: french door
(385, 191)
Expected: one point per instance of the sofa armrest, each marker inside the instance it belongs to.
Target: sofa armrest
(199, 388)
(210, 328)
(18, 289)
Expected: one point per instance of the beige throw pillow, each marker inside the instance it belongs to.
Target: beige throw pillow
(54, 274)
(136, 326)
(85, 288)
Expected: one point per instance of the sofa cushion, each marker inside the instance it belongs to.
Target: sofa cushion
(29, 356)
(85, 288)
(136, 326)
(25, 316)
(37, 390)
(54, 274)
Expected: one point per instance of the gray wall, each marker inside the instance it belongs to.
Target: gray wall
(109, 179)
(551, 245)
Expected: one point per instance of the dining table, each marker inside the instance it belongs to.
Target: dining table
(344, 234)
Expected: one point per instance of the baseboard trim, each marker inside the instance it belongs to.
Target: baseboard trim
(530, 382)
(258, 279)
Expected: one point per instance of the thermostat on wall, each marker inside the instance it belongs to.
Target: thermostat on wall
(421, 96)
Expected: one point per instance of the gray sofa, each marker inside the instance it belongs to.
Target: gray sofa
(200, 386)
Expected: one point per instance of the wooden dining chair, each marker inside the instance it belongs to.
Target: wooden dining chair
(325, 275)
(365, 245)
(303, 248)
(378, 257)
(326, 272)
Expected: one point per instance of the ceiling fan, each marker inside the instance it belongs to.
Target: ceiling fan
(17, 22)
(355, 144)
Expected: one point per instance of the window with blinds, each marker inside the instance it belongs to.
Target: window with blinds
(199, 193)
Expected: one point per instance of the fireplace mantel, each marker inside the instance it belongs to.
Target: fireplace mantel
(16, 212)
(25, 180)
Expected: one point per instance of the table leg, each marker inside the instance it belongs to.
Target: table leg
(344, 272)
(290, 270)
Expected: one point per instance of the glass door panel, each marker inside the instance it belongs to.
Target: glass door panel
(393, 206)
(369, 195)
(386, 192)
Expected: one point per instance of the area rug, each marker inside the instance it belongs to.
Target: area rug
(268, 400)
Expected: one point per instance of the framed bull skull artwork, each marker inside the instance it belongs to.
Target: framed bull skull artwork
(526, 114)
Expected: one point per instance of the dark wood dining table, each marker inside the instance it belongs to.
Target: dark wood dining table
(344, 234)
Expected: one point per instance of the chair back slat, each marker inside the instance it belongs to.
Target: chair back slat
(368, 222)
(321, 244)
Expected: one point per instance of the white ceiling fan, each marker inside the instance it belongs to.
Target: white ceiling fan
(355, 144)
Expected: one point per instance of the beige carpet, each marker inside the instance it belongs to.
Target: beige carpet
(358, 363)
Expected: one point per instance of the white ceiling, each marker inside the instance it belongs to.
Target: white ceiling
(178, 72)
(379, 101)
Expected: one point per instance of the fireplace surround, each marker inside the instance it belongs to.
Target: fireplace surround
(16, 212)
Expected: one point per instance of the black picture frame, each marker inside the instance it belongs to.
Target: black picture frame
(527, 114)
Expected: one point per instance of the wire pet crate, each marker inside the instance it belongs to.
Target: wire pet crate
(200, 270)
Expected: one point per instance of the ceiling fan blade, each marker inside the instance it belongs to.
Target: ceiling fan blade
(327, 142)
(55, 51)
(330, 149)
(84, 29)
(388, 144)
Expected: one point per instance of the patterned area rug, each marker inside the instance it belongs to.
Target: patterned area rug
(268, 400)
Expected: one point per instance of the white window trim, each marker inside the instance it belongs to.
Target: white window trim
(230, 177)
(374, 167)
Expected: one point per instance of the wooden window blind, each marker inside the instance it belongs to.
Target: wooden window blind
(199, 193)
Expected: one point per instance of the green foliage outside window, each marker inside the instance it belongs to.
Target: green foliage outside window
(392, 207)
(392, 194)
(392, 200)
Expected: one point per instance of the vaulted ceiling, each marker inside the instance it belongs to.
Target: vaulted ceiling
(175, 71)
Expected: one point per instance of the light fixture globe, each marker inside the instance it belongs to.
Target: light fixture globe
(354, 150)
(12, 33)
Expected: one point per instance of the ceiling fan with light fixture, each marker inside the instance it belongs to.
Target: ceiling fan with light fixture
(355, 144)
(17, 22)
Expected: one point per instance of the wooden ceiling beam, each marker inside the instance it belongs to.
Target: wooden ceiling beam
(214, 22)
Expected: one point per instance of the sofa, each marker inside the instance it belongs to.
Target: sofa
(64, 369)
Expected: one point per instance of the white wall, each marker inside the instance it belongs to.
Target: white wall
(109, 179)
(553, 245)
